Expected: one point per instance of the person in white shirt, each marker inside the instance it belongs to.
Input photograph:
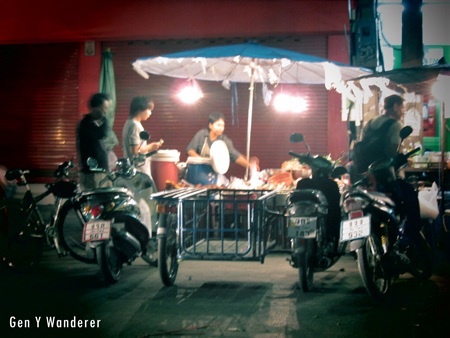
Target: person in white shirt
(132, 144)
(140, 110)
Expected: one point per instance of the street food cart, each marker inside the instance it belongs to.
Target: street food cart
(214, 224)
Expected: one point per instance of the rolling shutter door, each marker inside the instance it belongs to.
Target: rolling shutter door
(38, 105)
(177, 123)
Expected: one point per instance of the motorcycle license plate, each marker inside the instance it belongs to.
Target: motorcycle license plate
(96, 231)
(355, 228)
(302, 227)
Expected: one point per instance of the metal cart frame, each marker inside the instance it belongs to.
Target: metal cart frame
(213, 224)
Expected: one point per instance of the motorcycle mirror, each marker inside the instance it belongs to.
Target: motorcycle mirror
(405, 132)
(144, 135)
(297, 137)
(92, 163)
(344, 156)
(338, 172)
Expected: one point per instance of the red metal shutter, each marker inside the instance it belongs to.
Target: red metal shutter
(177, 123)
(38, 105)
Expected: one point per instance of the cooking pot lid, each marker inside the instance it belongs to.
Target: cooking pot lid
(166, 154)
(220, 157)
(198, 160)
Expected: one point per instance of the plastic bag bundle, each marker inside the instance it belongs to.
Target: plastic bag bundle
(428, 202)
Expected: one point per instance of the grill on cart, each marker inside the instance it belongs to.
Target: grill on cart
(219, 224)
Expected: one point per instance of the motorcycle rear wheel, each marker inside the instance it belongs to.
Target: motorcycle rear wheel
(376, 279)
(167, 255)
(305, 261)
(109, 261)
(70, 225)
(21, 245)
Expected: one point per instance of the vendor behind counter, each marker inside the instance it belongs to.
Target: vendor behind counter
(201, 144)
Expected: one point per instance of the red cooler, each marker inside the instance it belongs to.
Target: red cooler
(164, 167)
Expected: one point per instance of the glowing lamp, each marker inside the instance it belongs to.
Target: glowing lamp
(284, 103)
(190, 94)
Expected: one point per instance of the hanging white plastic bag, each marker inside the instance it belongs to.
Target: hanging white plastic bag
(428, 202)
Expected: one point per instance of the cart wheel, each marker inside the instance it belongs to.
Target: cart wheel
(167, 256)
(167, 260)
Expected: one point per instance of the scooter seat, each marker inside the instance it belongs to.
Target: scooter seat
(378, 196)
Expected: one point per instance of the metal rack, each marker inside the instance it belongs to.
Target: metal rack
(221, 224)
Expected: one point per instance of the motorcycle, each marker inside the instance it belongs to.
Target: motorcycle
(115, 229)
(313, 214)
(374, 228)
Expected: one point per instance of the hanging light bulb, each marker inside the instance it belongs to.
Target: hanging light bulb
(298, 104)
(281, 102)
(190, 93)
(284, 103)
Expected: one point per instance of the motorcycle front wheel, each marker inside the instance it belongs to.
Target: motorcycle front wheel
(167, 254)
(305, 261)
(376, 278)
(21, 241)
(109, 261)
(70, 225)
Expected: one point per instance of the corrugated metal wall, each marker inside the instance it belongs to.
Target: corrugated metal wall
(177, 123)
(38, 105)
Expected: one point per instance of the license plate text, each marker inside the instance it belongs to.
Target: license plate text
(302, 227)
(96, 231)
(355, 228)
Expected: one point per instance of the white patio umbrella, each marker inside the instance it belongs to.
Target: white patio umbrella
(249, 63)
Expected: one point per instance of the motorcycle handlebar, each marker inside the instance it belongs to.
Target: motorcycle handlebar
(412, 152)
(306, 158)
(99, 170)
(296, 154)
(151, 153)
(402, 159)
(112, 176)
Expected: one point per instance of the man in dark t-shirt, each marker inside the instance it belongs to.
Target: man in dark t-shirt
(91, 132)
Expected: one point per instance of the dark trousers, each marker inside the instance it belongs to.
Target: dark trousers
(410, 209)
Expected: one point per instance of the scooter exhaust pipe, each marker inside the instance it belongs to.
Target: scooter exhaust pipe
(324, 262)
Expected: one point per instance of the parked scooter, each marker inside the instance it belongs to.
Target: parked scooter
(374, 228)
(115, 229)
(313, 214)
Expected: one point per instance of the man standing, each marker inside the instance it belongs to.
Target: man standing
(132, 145)
(91, 132)
(140, 110)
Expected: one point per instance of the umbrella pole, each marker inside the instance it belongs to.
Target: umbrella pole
(249, 123)
(443, 170)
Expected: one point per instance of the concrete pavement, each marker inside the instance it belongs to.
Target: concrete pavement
(216, 299)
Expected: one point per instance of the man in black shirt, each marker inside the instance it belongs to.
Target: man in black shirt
(91, 132)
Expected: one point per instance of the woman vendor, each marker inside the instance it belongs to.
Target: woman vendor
(202, 141)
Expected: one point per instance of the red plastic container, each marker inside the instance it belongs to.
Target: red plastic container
(164, 167)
